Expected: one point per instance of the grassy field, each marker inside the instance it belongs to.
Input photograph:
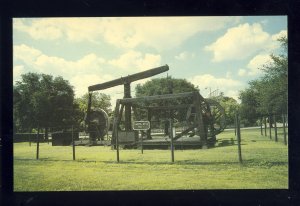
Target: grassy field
(265, 165)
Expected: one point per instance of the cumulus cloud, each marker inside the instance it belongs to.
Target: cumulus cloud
(126, 32)
(184, 55)
(209, 81)
(255, 64)
(135, 61)
(18, 70)
(41, 62)
(240, 42)
(87, 70)
(242, 72)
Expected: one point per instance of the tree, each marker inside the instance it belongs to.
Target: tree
(43, 101)
(230, 106)
(169, 85)
(268, 94)
(159, 86)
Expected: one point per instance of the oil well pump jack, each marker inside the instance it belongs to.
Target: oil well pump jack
(96, 120)
(204, 118)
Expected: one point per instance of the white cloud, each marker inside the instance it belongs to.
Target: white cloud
(184, 55)
(255, 65)
(17, 72)
(40, 62)
(135, 61)
(85, 71)
(240, 42)
(282, 33)
(126, 32)
(242, 72)
(208, 83)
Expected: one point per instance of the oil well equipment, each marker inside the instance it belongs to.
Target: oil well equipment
(197, 119)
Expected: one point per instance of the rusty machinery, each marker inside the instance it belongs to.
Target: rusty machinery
(97, 121)
(204, 117)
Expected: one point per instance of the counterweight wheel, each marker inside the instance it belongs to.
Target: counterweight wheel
(98, 124)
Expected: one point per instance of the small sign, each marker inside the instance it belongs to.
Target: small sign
(141, 125)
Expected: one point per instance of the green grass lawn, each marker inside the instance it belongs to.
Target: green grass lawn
(265, 165)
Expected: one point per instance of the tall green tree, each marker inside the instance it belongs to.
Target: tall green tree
(268, 94)
(43, 101)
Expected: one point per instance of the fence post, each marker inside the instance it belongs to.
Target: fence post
(239, 137)
(38, 143)
(117, 144)
(30, 140)
(73, 143)
(265, 126)
(172, 130)
(275, 127)
(270, 126)
(142, 149)
(235, 126)
(284, 131)
(261, 130)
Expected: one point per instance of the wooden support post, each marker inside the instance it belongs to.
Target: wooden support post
(127, 94)
(117, 145)
(235, 126)
(239, 138)
(270, 126)
(149, 116)
(284, 131)
(38, 143)
(261, 130)
(200, 123)
(265, 126)
(275, 127)
(172, 131)
(73, 143)
(142, 150)
(30, 140)
(115, 125)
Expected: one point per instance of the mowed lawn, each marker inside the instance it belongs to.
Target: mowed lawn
(265, 165)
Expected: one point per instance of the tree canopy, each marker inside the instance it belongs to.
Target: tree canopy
(42, 101)
(230, 106)
(159, 86)
(269, 93)
(169, 85)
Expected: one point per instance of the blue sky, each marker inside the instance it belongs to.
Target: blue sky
(221, 53)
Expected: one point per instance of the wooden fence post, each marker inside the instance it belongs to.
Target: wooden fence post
(239, 138)
(73, 143)
(235, 126)
(270, 126)
(261, 130)
(171, 133)
(265, 126)
(117, 144)
(284, 131)
(142, 149)
(38, 143)
(275, 127)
